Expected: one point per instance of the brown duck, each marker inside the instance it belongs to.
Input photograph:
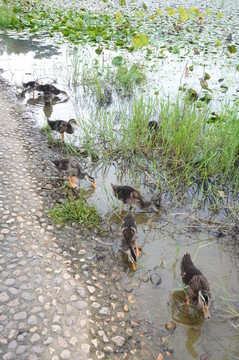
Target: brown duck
(74, 171)
(63, 126)
(128, 195)
(129, 239)
(198, 288)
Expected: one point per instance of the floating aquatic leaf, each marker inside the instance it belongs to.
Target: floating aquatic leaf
(144, 6)
(159, 12)
(170, 11)
(140, 40)
(117, 60)
(232, 49)
(118, 18)
(176, 49)
(219, 15)
(139, 13)
(207, 76)
(183, 13)
(98, 50)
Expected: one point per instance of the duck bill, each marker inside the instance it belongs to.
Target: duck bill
(206, 312)
(94, 185)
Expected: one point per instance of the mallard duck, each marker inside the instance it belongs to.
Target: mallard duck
(198, 288)
(74, 171)
(47, 98)
(129, 239)
(128, 195)
(63, 126)
(48, 88)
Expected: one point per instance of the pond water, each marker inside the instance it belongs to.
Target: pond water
(161, 236)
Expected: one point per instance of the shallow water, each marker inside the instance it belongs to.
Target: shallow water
(159, 234)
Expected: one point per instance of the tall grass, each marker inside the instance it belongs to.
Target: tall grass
(186, 145)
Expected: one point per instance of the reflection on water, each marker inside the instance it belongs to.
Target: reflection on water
(159, 234)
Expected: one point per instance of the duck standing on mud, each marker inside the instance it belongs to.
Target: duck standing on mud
(63, 126)
(129, 239)
(74, 171)
(198, 288)
(128, 195)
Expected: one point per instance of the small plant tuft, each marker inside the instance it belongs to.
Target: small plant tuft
(78, 211)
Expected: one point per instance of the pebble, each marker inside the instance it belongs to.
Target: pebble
(85, 348)
(155, 279)
(65, 354)
(170, 326)
(118, 340)
(104, 311)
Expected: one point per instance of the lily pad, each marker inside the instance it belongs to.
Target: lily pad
(140, 40)
(117, 60)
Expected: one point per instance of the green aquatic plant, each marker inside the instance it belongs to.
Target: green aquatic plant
(77, 211)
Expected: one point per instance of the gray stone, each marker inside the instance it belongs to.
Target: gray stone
(32, 320)
(12, 345)
(85, 348)
(65, 354)
(4, 297)
(21, 349)
(20, 316)
(80, 305)
(27, 296)
(62, 342)
(8, 356)
(104, 311)
(10, 282)
(35, 338)
(38, 349)
(118, 340)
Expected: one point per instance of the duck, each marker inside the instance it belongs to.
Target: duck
(48, 88)
(129, 239)
(198, 287)
(74, 171)
(128, 195)
(63, 126)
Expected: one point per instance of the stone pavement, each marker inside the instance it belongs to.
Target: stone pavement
(58, 299)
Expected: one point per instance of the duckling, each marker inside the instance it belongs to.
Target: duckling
(128, 195)
(198, 286)
(48, 88)
(74, 171)
(129, 239)
(63, 126)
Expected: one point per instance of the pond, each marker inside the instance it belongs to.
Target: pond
(163, 238)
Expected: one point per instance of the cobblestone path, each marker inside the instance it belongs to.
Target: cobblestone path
(58, 299)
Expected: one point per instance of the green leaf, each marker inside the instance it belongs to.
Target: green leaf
(159, 12)
(144, 7)
(218, 43)
(232, 49)
(170, 11)
(219, 15)
(98, 50)
(183, 13)
(117, 60)
(140, 40)
(176, 49)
